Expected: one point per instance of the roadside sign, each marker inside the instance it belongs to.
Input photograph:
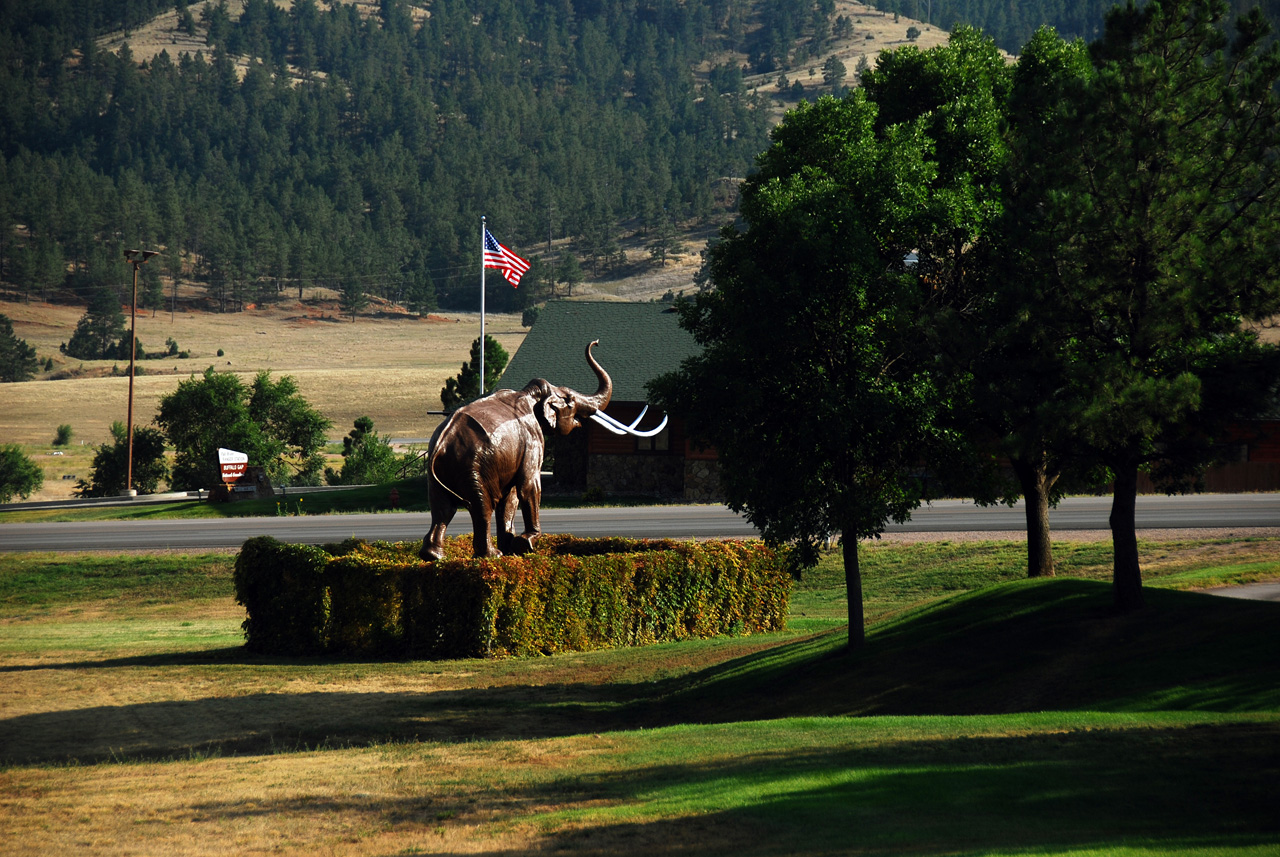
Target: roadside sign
(233, 464)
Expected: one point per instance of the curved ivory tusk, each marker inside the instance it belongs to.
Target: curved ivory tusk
(604, 422)
(618, 428)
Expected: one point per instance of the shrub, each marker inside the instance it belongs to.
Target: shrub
(283, 589)
(569, 595)
(19, 475)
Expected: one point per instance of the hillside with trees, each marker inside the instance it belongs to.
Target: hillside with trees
(1011, 25)
(357, 146)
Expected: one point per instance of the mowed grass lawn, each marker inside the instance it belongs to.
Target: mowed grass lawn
(986, 715)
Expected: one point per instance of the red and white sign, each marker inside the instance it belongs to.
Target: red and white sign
(233, 464)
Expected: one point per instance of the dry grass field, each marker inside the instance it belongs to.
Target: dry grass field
(389, 366)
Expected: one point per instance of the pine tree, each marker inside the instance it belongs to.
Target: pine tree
(18, 361)
(99, 329)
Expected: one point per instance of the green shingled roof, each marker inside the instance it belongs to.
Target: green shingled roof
(638, 342)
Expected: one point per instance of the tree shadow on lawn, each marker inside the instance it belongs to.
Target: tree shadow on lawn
(1016, 648)
(1158, 789)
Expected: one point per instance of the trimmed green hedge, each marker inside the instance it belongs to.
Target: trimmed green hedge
(570, 594)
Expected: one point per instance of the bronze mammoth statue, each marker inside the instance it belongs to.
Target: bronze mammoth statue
(488, 454)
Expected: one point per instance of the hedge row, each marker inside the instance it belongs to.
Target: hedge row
(570, 594)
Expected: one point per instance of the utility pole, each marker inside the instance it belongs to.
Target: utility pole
(136, 258)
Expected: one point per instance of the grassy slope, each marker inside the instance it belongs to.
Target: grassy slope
(1015, 647)
(1011, 716)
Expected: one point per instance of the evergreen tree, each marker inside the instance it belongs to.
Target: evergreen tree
(99, 329)
(1143, 232)
(18, 361)
(353, 299)
(464, 386)
(666, 241)
(367, 458)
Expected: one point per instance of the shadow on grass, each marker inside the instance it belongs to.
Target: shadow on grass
(1162, 789)
(1025, 646)
(1021, 647)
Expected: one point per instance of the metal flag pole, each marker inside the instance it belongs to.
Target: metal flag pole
(483, 230)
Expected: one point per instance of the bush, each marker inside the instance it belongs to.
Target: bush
(62, 436)
(288, 605)
(19, 475)
(109, 473)
(569, 595)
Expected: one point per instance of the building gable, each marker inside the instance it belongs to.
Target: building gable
(638, 342)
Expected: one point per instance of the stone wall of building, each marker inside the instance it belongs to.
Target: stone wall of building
(702, 481)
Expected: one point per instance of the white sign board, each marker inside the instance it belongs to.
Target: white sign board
(233, 464)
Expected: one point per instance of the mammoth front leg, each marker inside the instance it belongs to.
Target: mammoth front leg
(508, 541)
(506, 522)
(530, 501)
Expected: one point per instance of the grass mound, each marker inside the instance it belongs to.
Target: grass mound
(1014, 647)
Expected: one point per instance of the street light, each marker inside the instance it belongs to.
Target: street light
(134, 258)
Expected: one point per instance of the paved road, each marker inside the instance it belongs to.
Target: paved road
(1250, 591)
(1210, 511)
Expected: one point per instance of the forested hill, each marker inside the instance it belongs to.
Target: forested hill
(362, 143)
(356, 145)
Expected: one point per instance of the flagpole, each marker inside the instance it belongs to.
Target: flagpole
(482, 231)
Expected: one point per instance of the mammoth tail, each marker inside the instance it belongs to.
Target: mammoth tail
(435, 450)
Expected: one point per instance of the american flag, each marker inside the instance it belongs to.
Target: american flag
(497, 256)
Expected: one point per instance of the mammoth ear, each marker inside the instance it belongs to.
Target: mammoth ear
(550, 407)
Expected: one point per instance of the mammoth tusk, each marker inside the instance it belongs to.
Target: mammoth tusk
(618, 428)
(604, 422)
(637, 420)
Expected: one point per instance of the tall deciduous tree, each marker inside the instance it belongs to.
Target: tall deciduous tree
(109, 473)
(809, 383)
(1142, 225)
(268, 420)
(982, 326)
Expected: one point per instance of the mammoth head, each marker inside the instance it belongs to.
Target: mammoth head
(561, 408)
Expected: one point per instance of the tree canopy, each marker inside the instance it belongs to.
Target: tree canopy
(359, 150)
(100, 330)
(1140, 241)
(809, 384)
(1058, 263)
(19, 475)
(367, 457)
(268, 420)
(109, 472)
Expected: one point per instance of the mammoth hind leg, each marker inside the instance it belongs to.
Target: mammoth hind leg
(443, 508)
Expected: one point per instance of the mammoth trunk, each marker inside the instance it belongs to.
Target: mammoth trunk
(604, 391)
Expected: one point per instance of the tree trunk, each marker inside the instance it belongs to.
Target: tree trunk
(1126, 573)
(853, 586)
(1035, 482)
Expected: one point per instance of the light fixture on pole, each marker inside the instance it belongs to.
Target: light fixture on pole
(134, 258)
